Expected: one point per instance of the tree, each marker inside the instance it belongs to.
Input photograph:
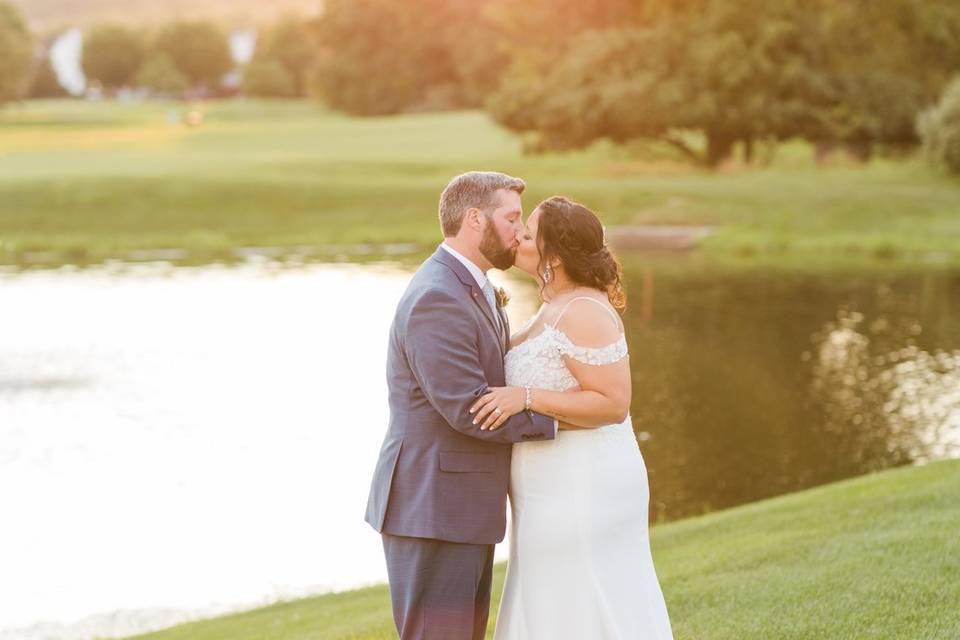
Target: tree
(719, 70)
(45, 83)
(537, 32)
(198, 49)
(159, 74)
(538, 35)
(854, 73)
(888, 59)
(111, 55)
(378, 57)
(269, 79)
(16, 53)
(939, 127)
(290, 42)
(383, 56)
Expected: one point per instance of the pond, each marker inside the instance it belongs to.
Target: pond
(748, 384)
(181, 441)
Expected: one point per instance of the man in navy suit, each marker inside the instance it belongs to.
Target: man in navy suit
(439, 491)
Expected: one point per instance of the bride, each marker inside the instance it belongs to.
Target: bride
(580, 565)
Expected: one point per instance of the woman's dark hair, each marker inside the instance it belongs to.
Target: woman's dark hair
(570, 231)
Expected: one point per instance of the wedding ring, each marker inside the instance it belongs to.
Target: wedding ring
(497, 410)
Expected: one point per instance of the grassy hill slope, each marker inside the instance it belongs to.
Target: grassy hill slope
(872, 557)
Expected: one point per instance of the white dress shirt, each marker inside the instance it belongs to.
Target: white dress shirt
(485, 285)
(474, 270)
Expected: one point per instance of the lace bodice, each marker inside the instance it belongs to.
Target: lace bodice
(538, 361)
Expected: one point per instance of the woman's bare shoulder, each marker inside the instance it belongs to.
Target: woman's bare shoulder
(590, 322)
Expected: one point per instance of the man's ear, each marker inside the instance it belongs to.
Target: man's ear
(472, 218)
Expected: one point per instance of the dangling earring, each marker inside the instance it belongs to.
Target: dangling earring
(547, 274)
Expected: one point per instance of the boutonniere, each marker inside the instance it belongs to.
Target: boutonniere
(502, 297)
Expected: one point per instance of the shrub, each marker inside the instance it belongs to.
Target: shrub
(939, 129)
(269, 79)
(161, 75)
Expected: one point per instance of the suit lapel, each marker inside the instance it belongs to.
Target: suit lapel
(467, 279)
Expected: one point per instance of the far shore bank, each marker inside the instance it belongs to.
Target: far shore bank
(83, 183)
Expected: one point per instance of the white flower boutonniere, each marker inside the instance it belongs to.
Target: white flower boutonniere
(502, 297)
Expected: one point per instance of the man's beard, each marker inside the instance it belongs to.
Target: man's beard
(493, 250)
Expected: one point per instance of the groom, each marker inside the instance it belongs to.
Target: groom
(439, 491)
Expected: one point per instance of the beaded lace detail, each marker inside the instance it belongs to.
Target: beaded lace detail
(609, 354)
(538, 362)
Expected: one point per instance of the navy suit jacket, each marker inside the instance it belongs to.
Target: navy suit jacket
(438, 475)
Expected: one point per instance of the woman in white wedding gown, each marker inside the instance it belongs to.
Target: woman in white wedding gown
(580, 566)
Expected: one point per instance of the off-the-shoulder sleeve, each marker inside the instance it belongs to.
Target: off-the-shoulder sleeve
(609, 354)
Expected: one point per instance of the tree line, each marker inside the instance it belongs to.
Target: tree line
(734, 75)
(193, 56)
(709, 77)
(182, 58)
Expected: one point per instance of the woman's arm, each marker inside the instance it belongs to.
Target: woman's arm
(603, 396)
(585, 408)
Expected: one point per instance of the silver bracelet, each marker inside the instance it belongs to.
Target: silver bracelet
(529, 401)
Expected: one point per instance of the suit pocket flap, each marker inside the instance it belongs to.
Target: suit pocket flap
(467, 461)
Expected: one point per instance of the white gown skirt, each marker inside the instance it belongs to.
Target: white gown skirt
(580, 566)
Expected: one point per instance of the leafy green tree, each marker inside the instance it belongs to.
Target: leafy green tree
(854, 73)
(44, 83)
(16, 53)
(292, 43)
(538, 31)
(717, 71)
(158, 73)
(198, 49)
(384, 56)
(888, 59)
(269, 79)
(379, 56)
(939, 128)
(112, 54)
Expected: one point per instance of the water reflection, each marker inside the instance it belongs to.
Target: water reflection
(35, 384)
(893, 404)
(178, 442)
(748, 385)
(183, 441)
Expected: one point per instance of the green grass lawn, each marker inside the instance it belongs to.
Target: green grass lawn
(872, 557)
(93, 180)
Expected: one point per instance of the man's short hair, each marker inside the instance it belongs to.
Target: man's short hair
(474, 189)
